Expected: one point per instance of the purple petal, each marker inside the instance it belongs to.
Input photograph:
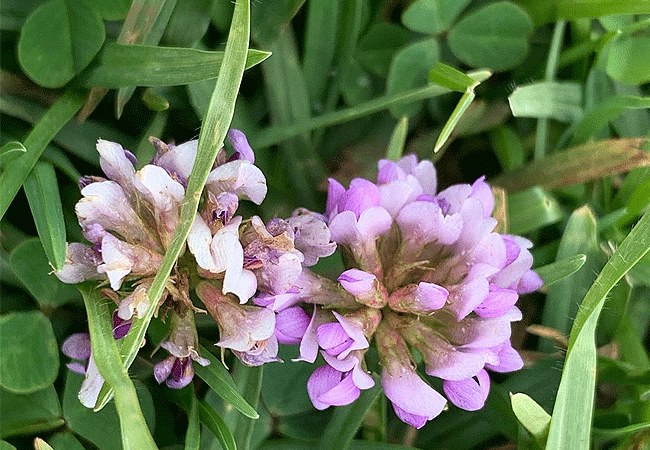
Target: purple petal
(77, 346)
(322, 380)
(357, 282)
(332, 338)
(468, 394)
(290, 325)
(423, 223)
(343, 393)
(76, 367)
(509, 360)
(497, 303)
(482, 192)
(530, 282)
(412, 419)
(410, 393)
(239, 142)
(163, 369)
(334, 192)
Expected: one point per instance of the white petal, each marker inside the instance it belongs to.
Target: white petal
(239, 177)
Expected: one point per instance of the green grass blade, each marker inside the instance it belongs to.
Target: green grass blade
(320, 45)
(455, 116)
(143, 65)
(249, 382)
(213, 421)
(398, 139)
(42, 192)
(598, 116)
(451, 78)
(135, 433)
(346, 420)
(10, 151)
(573, 412)
(219, 380)
(47, 127)
(531, 415)
(575, 9)
(213, 132)
(193, 435)
(548, 99)
(561, 269)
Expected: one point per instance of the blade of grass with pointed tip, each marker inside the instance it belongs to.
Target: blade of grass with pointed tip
(219, 380)
(451, 78)
(144, 65)
(563, 268)
(455, 116)
(587, 162)
(573, 411)
(135, 433)
(215, 423)
(532, 416)
(346, 420)
(47, 127)
(42, 192)
(397, 140)
(213, 132)
(10, 151)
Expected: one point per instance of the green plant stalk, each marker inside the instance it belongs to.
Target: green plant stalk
(215, 126)
(133, 427)
(47, 127)
(276, 134)
(541, 136)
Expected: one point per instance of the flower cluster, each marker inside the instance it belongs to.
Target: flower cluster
(424, 271)
(129, 219)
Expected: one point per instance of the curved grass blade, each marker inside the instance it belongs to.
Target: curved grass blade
(47, 127)
(219, 380)
(42, 192)
(144, 65)
(249, 381)
(213, 132)
(346, 420)
(215, 423)
(573, 411)
(455, 116)
(558, 270)
(134, 429)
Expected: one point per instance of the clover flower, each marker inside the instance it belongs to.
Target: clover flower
(424, 271)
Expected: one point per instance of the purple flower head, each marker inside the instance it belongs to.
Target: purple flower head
(242, 149)
(440, 279)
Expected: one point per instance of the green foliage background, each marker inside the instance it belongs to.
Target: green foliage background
(548, 99)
